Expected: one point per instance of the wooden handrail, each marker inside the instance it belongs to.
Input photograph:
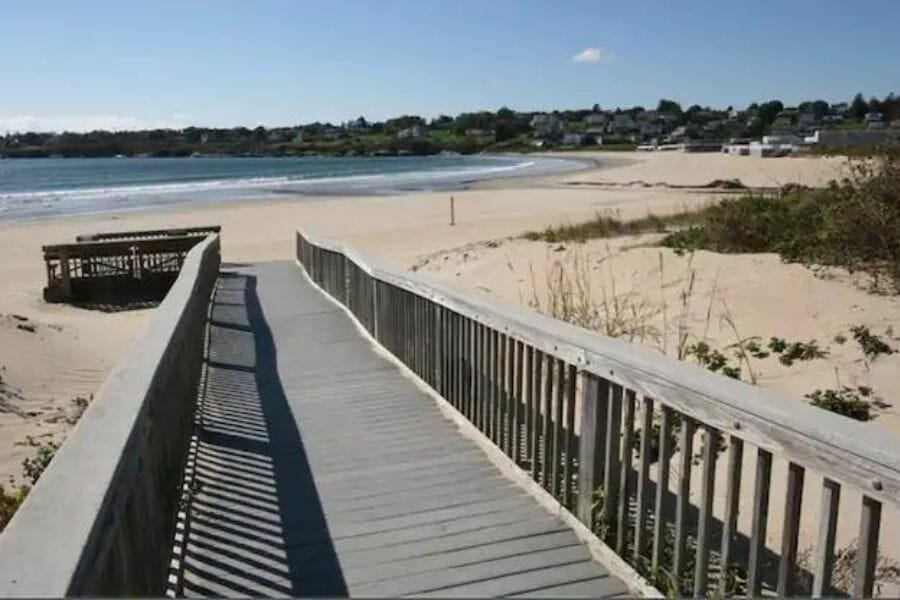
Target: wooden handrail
(112, 247)
(616, 381)
(149, 233)
(101, 519)
(115, 247)
(106, 267)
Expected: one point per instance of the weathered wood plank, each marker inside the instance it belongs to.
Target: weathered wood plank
(683, 496)
(484, 394)
(828, 516)
(518, 405)
(790, 532)
(495, 388)
(627, 454)
(557, 445)
(547, 424)
(589, 468)
(732, 500)
(537, 419)
(528, 373)
(613, 440)
(704, 523)
(570, 444)
(760, 520)
(640, 527)
(662, 486)
(509, 399)
(148, 233)
(504, 380)
(867, 552)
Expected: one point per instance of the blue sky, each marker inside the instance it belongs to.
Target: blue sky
(130, 64)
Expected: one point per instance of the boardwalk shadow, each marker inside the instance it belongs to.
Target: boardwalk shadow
(255, 524)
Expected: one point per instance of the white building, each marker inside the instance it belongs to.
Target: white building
(411, 133)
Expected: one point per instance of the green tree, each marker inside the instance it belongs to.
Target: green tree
(875, 105)
(769, 110)
(859, 107)
(668, 107)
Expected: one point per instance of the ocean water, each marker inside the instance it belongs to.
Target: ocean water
(42, 188)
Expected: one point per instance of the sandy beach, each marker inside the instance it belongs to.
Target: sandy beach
(53, 354)
(70, 350)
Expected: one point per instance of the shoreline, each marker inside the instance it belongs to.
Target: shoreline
(184, 194)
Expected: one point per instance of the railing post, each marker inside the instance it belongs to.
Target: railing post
(589, 467)
(375, 318)
(346, 273)
(438, 342)
(65, 275)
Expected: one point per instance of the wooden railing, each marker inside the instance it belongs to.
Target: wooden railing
(598, 423)
(149, 234)
(106, 264)
(101, 519)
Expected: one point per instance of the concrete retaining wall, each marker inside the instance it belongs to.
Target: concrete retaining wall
(101, 519)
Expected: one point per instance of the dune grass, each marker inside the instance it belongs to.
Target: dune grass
(853, 224)
(606, 226)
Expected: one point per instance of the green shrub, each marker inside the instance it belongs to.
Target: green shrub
(10, 501)
(845, 401)
(751, 223)
(713, 360)
(872, 345)
(33, 468)
(791, 352)
(854, 224)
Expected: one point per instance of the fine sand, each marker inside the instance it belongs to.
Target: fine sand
(70, 350)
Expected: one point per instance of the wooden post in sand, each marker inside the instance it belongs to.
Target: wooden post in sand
(452, 211)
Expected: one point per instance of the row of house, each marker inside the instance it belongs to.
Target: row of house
(655, 128)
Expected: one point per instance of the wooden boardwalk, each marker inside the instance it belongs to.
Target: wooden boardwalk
(319, 468)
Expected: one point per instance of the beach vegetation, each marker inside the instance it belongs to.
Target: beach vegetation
(857, 403)
(871, 345)
(853, 224)
(607, 226)
(11, 498)
(34, 467)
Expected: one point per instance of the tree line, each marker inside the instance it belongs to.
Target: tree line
(504, 129)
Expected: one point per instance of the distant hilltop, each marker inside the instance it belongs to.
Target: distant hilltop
(502, 131)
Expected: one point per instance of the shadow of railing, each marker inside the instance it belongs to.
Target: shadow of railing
(252, 512)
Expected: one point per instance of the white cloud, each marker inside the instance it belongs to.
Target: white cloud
(590, 55)
(83, 123)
